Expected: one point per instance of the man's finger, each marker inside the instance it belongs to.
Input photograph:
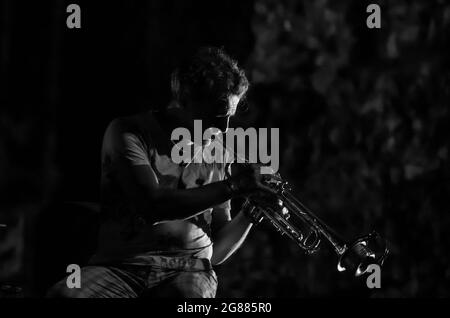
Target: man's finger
(265, 188)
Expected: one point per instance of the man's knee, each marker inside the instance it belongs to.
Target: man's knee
(189, 285)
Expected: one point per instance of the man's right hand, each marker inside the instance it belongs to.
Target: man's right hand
(247, 179)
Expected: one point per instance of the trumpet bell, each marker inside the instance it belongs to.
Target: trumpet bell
(364, 251)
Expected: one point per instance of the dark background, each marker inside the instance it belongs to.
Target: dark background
(363, 117)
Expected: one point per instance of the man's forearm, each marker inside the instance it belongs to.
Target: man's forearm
(230, 238)
(169, 204)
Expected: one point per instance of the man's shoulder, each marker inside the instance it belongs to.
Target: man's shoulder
(124, 123)
(137, 124)
(141, 127)
(120, 127)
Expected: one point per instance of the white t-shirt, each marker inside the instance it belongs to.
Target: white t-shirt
(124, 233)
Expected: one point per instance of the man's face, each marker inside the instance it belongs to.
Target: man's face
(219, 116)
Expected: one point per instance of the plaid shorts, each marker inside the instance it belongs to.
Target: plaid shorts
(157, 276)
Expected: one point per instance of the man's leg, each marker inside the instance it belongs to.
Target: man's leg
(100, 282)
(193, 284)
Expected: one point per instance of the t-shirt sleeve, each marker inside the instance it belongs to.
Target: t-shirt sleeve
(124, 146)
(133, 150)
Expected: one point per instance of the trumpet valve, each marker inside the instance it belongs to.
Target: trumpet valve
(285, 213)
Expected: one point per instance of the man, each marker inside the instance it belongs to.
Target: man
(165, 224)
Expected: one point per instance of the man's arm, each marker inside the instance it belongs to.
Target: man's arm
(141, 186)
(228, 235)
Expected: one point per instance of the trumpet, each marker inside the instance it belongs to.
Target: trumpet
(293, 219)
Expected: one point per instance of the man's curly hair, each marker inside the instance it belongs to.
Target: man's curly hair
(210, 75)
